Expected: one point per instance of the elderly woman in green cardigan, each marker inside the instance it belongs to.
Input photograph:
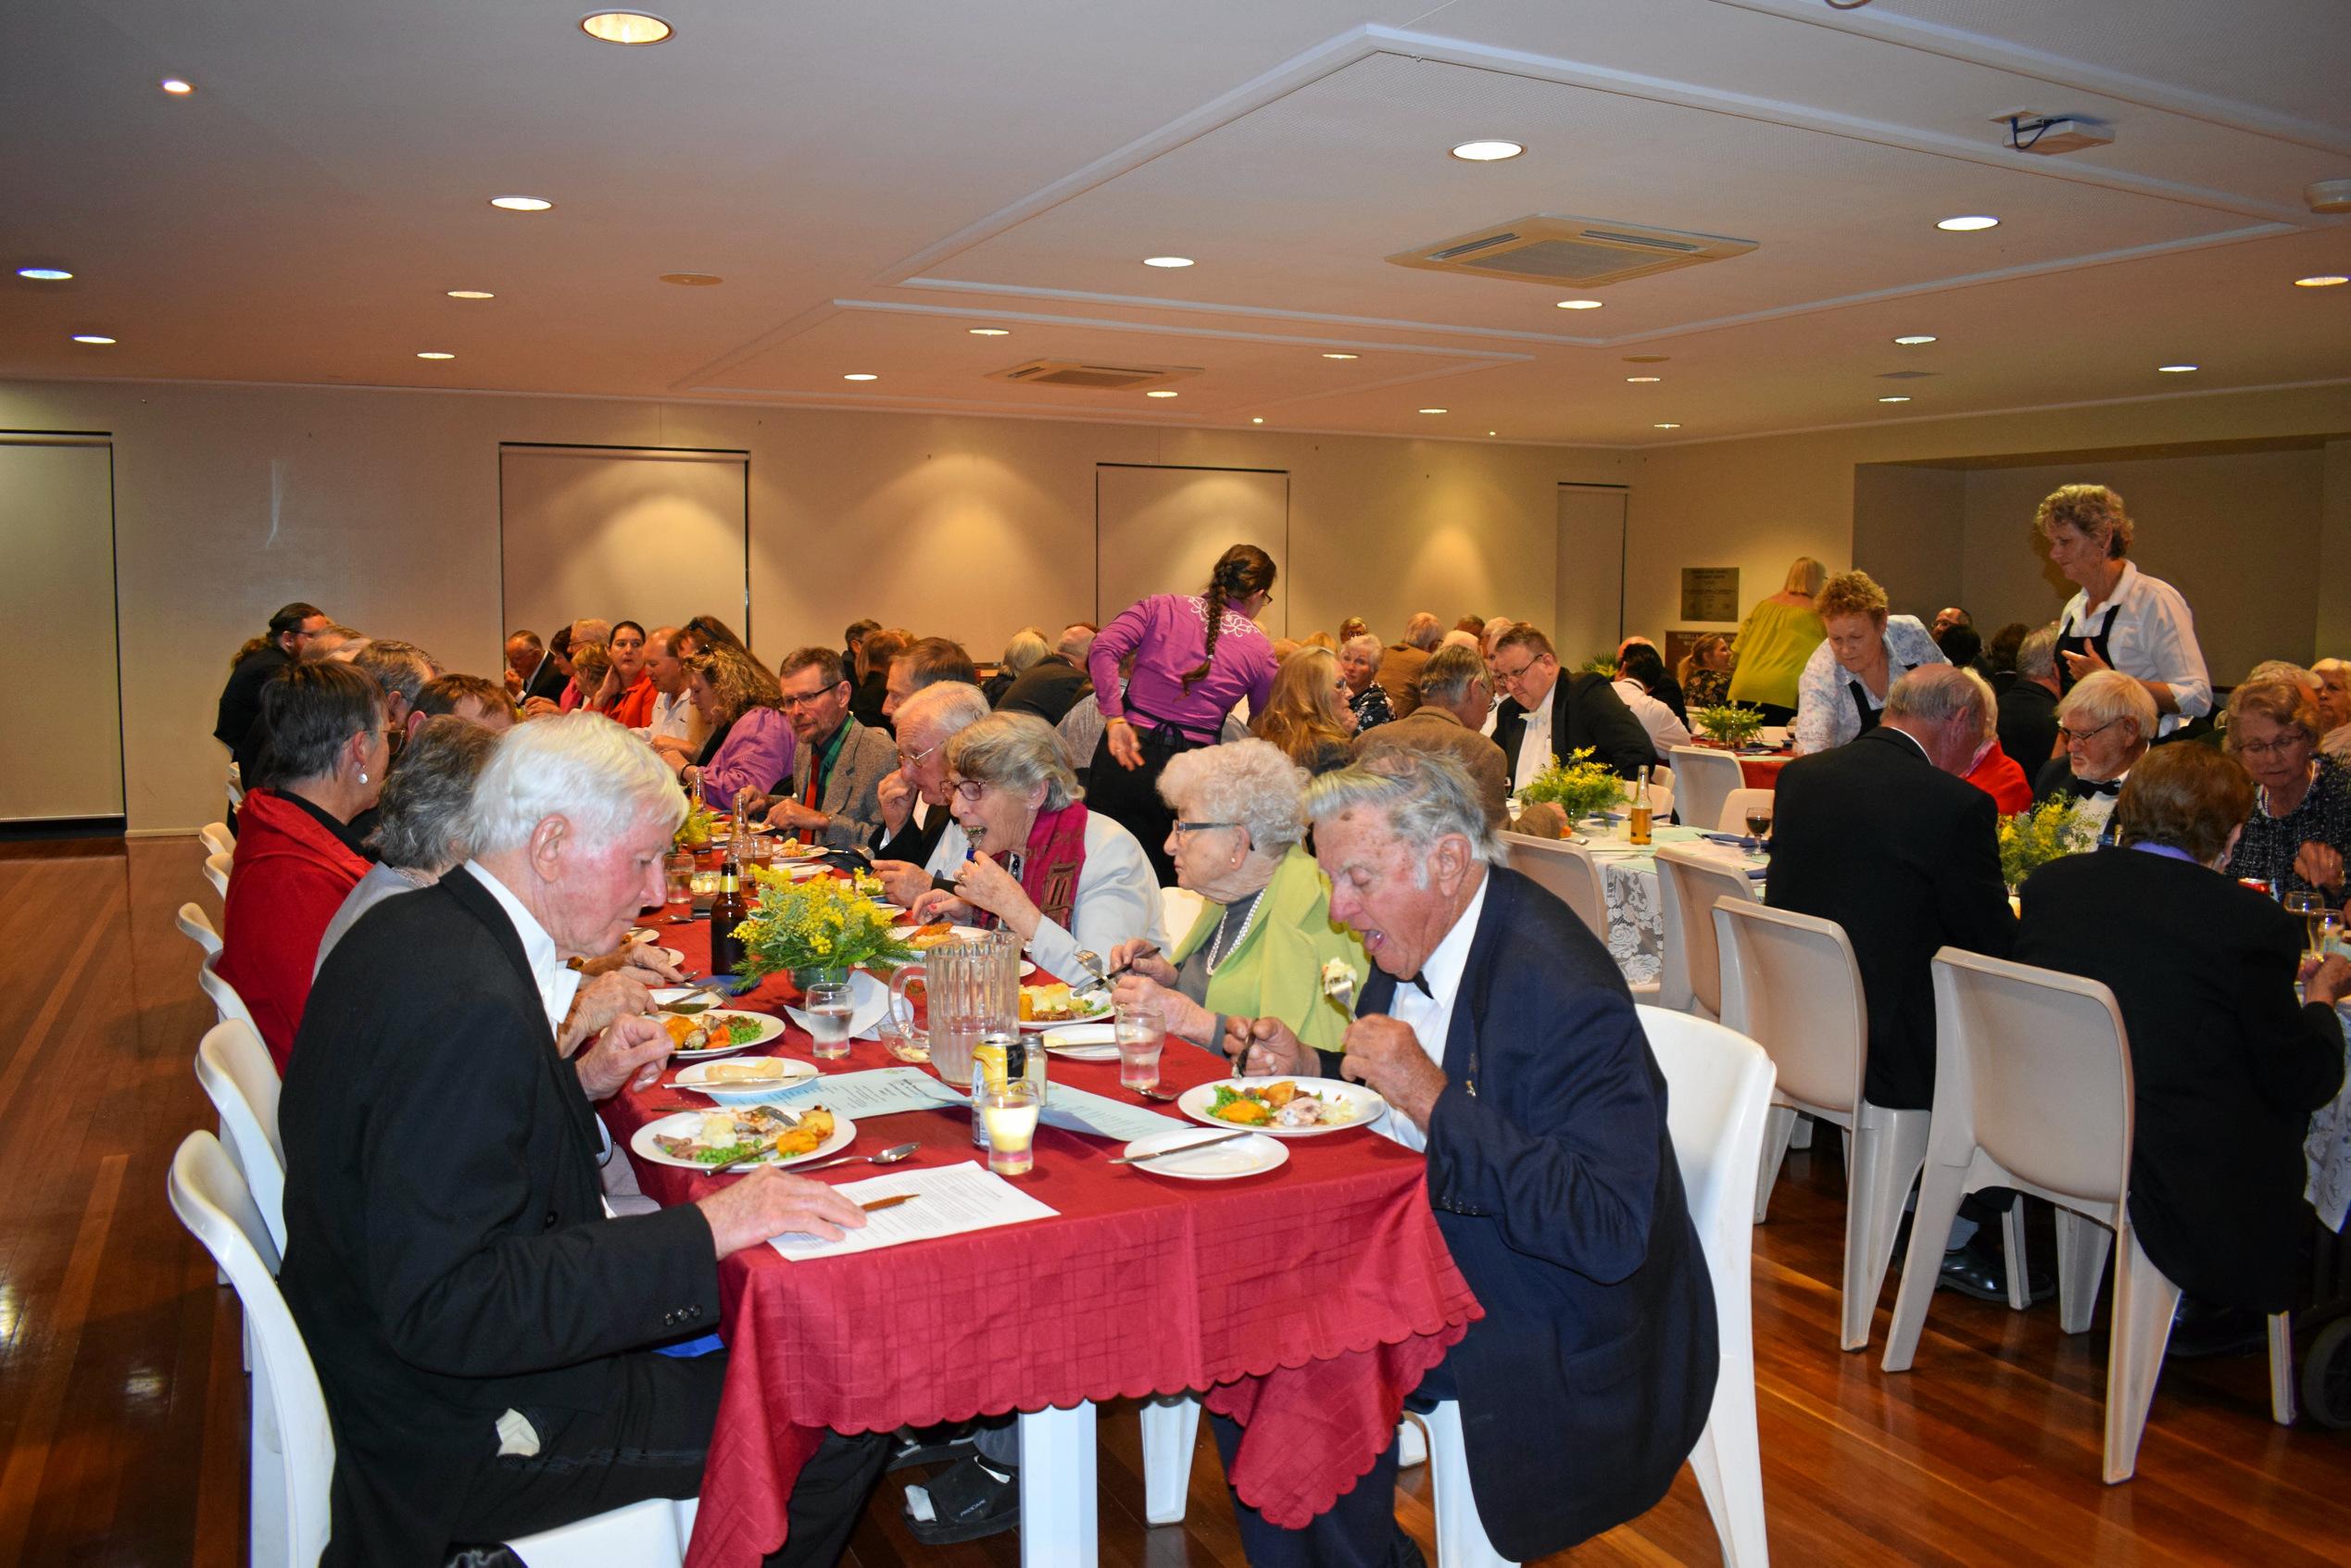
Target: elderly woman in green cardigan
(1259, 946)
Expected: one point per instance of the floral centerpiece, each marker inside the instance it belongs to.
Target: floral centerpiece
(823, 924)
(1732, 725)
(2033, 838)
(1578, 787)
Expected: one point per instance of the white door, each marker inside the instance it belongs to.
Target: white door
(64, 757)
(1591, 573)
(624, 533)
(1159, 530)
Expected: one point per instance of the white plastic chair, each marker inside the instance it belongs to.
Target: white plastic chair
(1688, 884)
(236, 787)
(217, 839)
(1734, 809)
(226, 1003)
(242, 1082)
(197, 926)
(1179, 910)
(1704, 778)
(2032, 1091)
(216, 871)
(1566, 870)
(292, 1446)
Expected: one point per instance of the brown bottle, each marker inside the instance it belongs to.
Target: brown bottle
(727, 911)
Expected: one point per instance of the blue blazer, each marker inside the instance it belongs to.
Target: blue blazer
(1588, 1380)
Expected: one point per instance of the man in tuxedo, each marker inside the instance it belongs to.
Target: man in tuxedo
(2105, 725)
(2029, 703)
(1504, 1041)
(1547, 712)
(838, 767)
(1885, 836)
(481, 1331)
(919, 836)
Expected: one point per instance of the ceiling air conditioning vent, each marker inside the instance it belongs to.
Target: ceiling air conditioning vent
(1099, 378)
(1574, 252)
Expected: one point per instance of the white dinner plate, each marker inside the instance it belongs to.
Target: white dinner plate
(643, 933)
(792, 1075)
(683, 1122)
(1040, 1025)
(771, 1027)
(1224, 1161)
(1083, 1042)
(677, 960)
(1369, 1108)
(961, 933)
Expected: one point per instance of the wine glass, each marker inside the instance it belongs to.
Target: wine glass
(2305, 904)
(2326, 928)
(1759, 825)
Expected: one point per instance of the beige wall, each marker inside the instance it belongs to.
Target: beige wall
(1910, 533)
(383, 507)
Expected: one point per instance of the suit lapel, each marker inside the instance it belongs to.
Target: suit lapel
(1469, 1003)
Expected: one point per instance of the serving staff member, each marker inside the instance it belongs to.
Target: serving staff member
(2121, 619)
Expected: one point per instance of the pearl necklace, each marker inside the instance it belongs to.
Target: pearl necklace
(1219, 950)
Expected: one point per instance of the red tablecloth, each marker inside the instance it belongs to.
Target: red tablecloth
(1307, 1302)
(1761, 771)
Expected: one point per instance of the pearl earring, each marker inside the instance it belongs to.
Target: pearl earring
(363, 777)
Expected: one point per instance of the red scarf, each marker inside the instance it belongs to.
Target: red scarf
(1052, 861)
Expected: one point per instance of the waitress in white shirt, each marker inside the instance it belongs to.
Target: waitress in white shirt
(2121, 619)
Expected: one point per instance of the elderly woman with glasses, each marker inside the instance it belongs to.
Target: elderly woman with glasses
(2300, 827)
(2105, 725)
(1259, 948)
(1062, 877)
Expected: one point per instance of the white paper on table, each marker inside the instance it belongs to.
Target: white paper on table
(880, 1091)
(954, 1199)
(1075, 1110)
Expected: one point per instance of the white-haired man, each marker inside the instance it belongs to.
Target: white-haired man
(481, 1331)
(1505, 1043)
(919, 837)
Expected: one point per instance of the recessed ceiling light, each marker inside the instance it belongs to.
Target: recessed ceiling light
(625, 27)
(1161, 393)
(2324, 281)
(520, 204)
(45, 274)
(1640, 379)
(175, 86)
(1893, 399)
(1167, 261)
(1914, 339)
(692, 279)
(1494, 433)
(1487, 152)
(1580, 305)
(990, 331)
(1257, 419)
(860, 375)
(435, 353)
(1432, 410)
(471, 293)
(1342, 356)
(92, 338)
(1969, 223)
(1664, 427)
(2175, 370)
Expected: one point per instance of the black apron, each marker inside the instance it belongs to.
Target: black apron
(2096, 642)
(1861, 697)
(1130, 797)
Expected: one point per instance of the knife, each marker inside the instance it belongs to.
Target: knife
(1181, 1148)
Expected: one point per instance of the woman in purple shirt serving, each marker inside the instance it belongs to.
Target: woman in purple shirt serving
(1195, 656)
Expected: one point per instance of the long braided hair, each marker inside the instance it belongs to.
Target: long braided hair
(1240, 571)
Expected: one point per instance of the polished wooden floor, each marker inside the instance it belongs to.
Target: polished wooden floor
(121, 1401)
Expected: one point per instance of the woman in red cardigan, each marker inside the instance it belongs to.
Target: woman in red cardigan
(297, 856)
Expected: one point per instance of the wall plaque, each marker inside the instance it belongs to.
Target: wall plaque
(1710, 592)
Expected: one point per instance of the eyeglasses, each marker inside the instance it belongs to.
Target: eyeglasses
(2083, 737)
(1182, 828)
(2284, 745)
(805, 699)
(968, 790)
(1509, 675)
(907, 760)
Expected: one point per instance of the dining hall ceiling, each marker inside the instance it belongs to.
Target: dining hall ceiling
(874, 182)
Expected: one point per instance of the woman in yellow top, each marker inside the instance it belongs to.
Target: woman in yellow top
(1776, 640)
(1258, 948)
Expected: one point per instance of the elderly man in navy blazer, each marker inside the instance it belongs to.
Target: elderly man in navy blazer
(1504, 1041)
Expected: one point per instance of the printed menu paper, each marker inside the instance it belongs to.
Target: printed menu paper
(950, 1200)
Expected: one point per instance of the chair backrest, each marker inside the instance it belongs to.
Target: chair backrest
(236, 1073)
(1734, 809)
(1566, 871)
(1790, 984)
(1179, 910)
(1703, 778)
(197, 926)
(226, 1003)
(2038, 1064)
(216, 871)
(211, 1200)
(1688, 884)
(236, 787)
(1718, 1088)
(217, 839)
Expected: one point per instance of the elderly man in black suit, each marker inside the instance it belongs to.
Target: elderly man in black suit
(1885, 836)
(1503, 1039)
(483, 1332)
(1548, 712)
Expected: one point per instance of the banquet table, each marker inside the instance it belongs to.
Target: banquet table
(1628, 885)
(2327, 1151)
(1761, 769)
(1304, 1301)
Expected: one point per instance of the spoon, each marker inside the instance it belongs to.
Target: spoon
(1162, 1096)
(887, 1157)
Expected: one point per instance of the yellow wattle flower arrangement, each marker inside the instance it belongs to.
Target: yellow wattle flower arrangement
(2034, 837)
(823, 923)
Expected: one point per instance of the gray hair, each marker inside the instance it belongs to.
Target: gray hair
(1014, 751)
(428, 793)
(1029, 646)
(2108, 695)
(1422, 630)
(401, 669)
(1449, 672)
(2288, 670)
(943, 709)
(1426, 797)
(581, 767)
(1365, 641)
(591, 630)
(2037, 655)
(1936, 694)
(1250, 781)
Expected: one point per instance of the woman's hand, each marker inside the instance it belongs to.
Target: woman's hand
(1125, 746)
(2319, 865)
(1179, 1014)
(984, 884)
(541, 708)
(1142, 957)
(2086, 662)
(1265, 1047)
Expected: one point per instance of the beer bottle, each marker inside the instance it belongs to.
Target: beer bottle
(727, 911)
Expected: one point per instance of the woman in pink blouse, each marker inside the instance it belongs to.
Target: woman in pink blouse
(751, 744)
(1196, 655)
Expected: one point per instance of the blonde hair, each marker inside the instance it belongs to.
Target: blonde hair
(1850, 593)
(1695, 660)
(1302, 715)
(1804, 576)
(2092, 511)
(738, 682)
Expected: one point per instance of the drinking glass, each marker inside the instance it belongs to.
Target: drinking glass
(1141, 1037)
(2305, 904)
(2326, 930)
(677, 887)
(1009, 1115)
(1759, 825)
(828, 1008)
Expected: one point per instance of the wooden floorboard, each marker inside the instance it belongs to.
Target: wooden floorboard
(122, 1426)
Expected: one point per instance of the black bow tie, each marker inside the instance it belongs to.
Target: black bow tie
(1420, 981)
(2100, 787)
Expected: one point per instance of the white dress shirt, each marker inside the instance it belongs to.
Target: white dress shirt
(1665, 732)
(558, 982)
(1534, 741)
(1117, 900)
(948, 854)
(2153, 638)
(1432, 1017)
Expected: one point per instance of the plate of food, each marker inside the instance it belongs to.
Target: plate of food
(745, 1079)
(716, 1032)
(922, 938)
(1083, 1042)
(1283, 1107)
(1216, 1159)
(794, 848)
(703, 1140)
(1043, 1007)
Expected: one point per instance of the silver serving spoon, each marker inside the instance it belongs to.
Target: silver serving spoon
(886, 1157)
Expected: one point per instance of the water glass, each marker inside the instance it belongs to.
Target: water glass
(2305, 904)
(828, 1008)
(677, 887)
(1140, 1036)
(1009, 1113)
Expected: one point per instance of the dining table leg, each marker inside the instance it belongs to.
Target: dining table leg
(1057, 1489)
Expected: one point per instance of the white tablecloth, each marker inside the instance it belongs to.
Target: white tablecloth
(1628, 882)
(2328, 1149)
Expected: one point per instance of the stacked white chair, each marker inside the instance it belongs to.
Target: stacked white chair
(1688, 886)
(242, 1082)
(216, 871)
(2032, 1091)
(236, 787)
(217, 839)
(1179, 910)
(1566, 870)
(1734, 809)
(1703, 779)
(226, 1003)
(197, 926)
